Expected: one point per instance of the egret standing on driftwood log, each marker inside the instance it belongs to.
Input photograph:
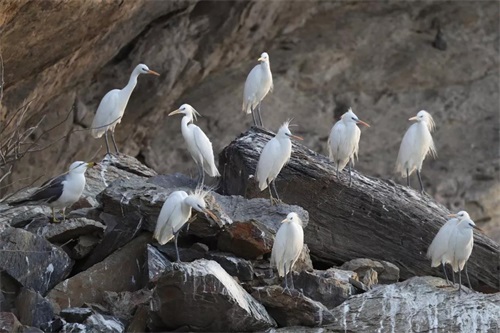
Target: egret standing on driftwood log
(60, 192)
(343, 143)
(112, 106)
(287, 246)
(198, 144)
(175, 212)
(274, 156)
(417, 143)
(259, 82)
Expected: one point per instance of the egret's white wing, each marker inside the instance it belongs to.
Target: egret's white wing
(295, 242)
(171, 217)
(406, 150)
(267, 162)
(337, 145)
(279, 247)
(204, 146)
(107, 114)
(252, 86)
(440, 244)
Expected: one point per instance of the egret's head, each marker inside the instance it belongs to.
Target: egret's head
(464, 220)
(426, 118)
(461, 215)
(80, 167)
(197, 201)
(350, 117)
(187, 110)
(264, 57)
(292, 217)
(143, 69)
(284, 132)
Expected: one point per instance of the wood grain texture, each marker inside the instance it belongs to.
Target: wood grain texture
(374, 218)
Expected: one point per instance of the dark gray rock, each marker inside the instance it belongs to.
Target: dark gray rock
(55, 325)
(123, 305)
(419, 304)
(390, 274)
(185, 297)
(234, 266)
(9, 323)
(369, 271)
(75, 315)
(21, 216)
(84, 245)
(33, 309)
(67, 230)
(186, 254)
(356, 221)
(290, 309)
(32, 260)
(139, 322)
(330, 287)
(102, 323)
(156, 264)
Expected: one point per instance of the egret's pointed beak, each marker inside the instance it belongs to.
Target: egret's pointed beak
(260, 59)
(452, 215)
(212, 215)
(174, 112)
(153, 72)
(285, 220)
(363, 123)
(296, 137)
(413, 118)
(90, 164)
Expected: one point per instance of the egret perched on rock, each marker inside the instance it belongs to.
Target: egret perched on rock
(438, 251)
(417, 143)
(59, 192)
(343, 143)
(460, 245)
(274, 156)
(259, 82)
(112, 106)
(287, 246)
(198, 144)
(175, 212)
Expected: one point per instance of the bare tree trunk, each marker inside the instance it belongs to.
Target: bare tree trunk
(374, 218)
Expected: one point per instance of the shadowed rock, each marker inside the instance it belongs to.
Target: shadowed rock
(432, 305)
(294, 309)
(185, 297)
(67, 230)
(75, 315)
(33, 309)
(373, 218)
(32, 260)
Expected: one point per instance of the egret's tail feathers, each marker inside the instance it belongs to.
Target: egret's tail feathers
(163, 239)
(97, 132)
(212, 171)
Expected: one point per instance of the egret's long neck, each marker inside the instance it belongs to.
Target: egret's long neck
(266, 66)
(185, 122)
(132, 82)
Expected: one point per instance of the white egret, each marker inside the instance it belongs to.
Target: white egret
(343, 143)
(112, 106)
(438, 251)
(60, 192)
(175, 212)
(259, 82)
(417, 143)
(273, 157)
(287, 246)
(198, 144)
(460, 245)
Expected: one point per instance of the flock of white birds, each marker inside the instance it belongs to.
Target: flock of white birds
(452, 244)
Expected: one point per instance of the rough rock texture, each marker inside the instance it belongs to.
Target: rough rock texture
(33, 309)
(121, 271)
(290, 309)
(32, 261)
(373, 218)
(205, 283)
(419, 304)
(69, 229)
(378, 58)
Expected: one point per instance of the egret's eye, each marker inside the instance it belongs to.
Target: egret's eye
(354, 119)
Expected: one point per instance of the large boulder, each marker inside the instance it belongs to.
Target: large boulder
(201, 296)
(418, 304)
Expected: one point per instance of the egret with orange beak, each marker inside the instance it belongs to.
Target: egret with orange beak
(112, 106)
(343, 142)
(273, 157)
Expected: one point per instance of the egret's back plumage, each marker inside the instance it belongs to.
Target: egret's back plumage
(438, 251)
(343, 142)
(257, 85)
(461, 244)
(417, 143)
(287, 245)
(173, 215)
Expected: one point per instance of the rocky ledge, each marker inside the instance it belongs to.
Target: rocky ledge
(101, 270)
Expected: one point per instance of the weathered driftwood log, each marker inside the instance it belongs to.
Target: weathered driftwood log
(374, 218)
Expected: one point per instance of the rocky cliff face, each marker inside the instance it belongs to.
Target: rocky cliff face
(376, 57)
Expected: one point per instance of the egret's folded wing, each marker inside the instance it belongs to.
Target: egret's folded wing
(170, 217)
(104, 115)
(205, 148)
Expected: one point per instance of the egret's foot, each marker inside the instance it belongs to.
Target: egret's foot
(287, 290)
(54, 220)
(275, 201)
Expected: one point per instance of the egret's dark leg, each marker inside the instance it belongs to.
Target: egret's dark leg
(107, 143)
(468, 280)
(176, 235)
(420, 180)
(291, 278)
(254, 119)
(350, 172)
(201, 176)
(453, 275)
(270, 192)
(407, 178)
(260, 117)
(54, 216)
(275, 190)
(459, 281)
(338, 175)
(114, 142)
(286, 280)
(445, 275)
